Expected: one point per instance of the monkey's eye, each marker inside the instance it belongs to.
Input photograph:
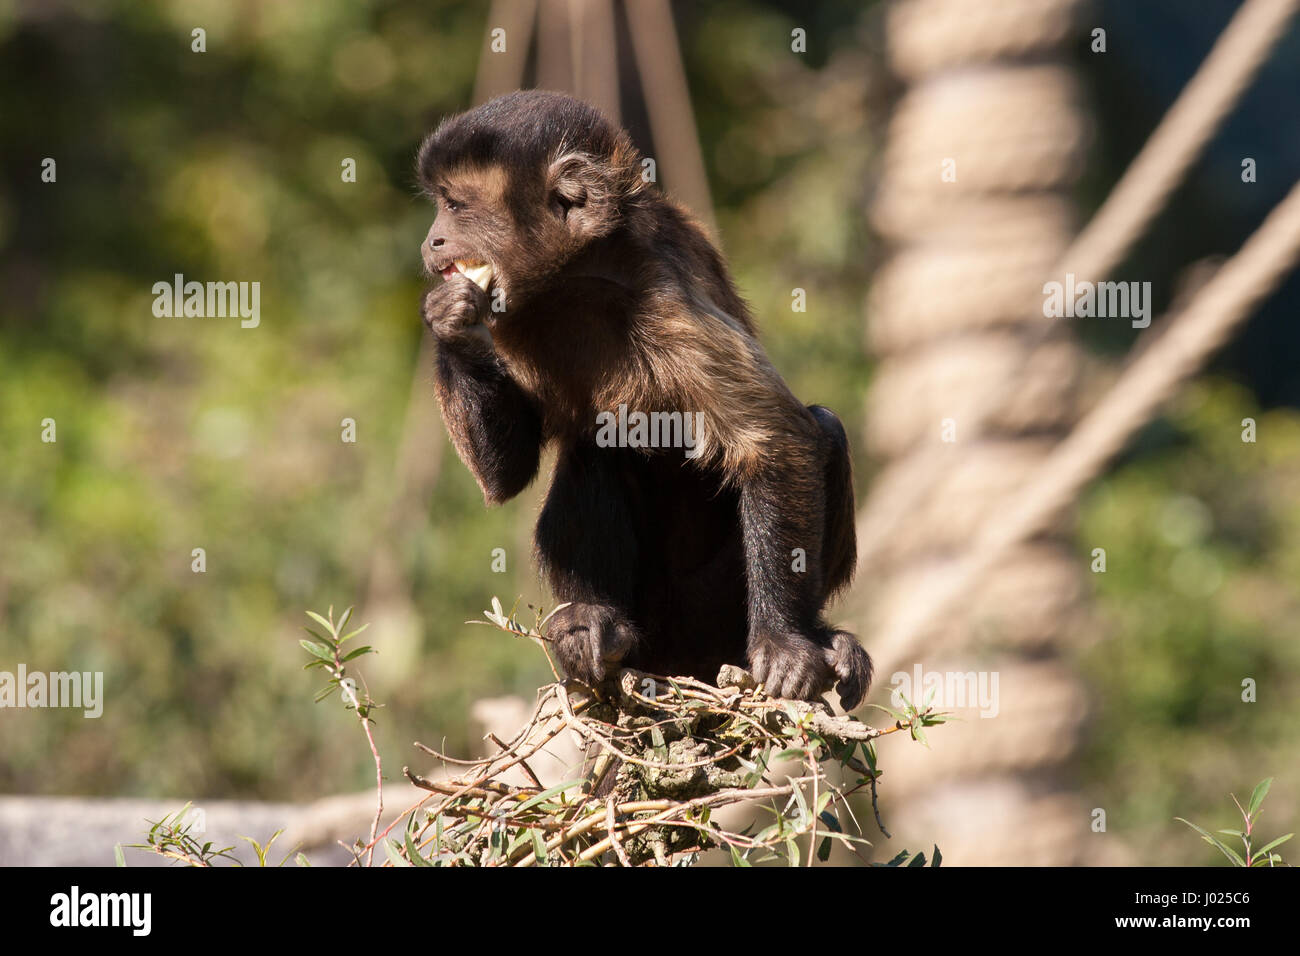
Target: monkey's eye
(452, 204)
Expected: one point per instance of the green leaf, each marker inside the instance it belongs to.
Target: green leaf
(352, 634)
(824, 850)
(737, 859)
(797, 793)
(317, 650)
(364, 649)
(1258, 795)
(497, 843)
(1276, 843)
(518, 840)
(938, 857)
(1214, 841)
(257, 850)
(658, 744)
(412, 851)
(301, 860)
(869, 755)
(848, 840)
(119, 856)
(343, 620)
(548, 793)
(539, 848)
(755, 776)
(395, 853)
(321, 621)
(890, 711)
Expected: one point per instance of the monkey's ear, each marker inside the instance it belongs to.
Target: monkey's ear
(582, 192)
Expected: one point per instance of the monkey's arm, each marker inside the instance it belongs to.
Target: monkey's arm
(791, 466)
(495, 427)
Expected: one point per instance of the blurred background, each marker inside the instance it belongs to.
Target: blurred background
(175, 434)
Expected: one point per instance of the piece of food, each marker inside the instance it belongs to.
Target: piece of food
(479, 273)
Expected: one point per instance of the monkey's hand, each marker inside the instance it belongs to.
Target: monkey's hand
(454, 311)
(590, 640)
(800, 668)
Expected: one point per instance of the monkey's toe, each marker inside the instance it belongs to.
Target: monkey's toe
(590, 640)
(852, 666)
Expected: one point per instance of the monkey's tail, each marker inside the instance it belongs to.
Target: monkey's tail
(839, 543)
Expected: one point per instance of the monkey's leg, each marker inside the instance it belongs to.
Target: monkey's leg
(495, 427)
(588, 545)
(785, 510)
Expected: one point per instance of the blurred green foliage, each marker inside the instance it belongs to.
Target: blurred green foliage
(1202, 536)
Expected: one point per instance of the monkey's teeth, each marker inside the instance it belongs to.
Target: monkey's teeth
(480, 274)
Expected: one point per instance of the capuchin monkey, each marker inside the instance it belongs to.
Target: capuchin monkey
(574, 292)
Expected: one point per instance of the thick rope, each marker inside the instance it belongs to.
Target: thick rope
(1141, 192)
(1200, 109)
(1175, 354)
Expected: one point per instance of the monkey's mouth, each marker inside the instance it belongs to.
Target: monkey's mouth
(480, 273)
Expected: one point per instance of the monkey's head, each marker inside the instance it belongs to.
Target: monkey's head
(523, 184)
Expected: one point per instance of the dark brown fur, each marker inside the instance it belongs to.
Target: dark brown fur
(613, 296)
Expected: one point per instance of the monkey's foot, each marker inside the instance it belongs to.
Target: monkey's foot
(800, 668)
(852, 665)
(590, 640)
(790, 665)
